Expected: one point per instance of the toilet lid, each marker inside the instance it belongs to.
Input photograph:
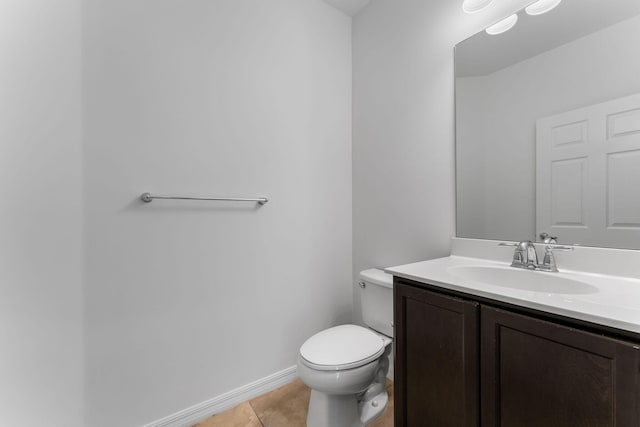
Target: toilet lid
(342, 347)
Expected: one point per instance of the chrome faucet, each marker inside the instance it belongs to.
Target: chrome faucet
(525, 255)
(549, 260)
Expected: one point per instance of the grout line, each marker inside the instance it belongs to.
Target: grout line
(255, 413)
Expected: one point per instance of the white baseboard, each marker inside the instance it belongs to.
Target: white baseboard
(190, 416)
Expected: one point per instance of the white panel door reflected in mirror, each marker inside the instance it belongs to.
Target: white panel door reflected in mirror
(588, 174)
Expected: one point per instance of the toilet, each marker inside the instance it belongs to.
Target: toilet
(346, 366)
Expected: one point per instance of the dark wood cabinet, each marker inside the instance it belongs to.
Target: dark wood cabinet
(538, 373)
(436, 371)
(465, 362)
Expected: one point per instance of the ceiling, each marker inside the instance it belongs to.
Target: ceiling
(350, 7)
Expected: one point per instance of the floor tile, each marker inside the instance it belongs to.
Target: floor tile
(286, 406)
(240, 416)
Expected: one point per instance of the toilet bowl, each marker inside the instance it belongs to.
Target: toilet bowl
(346, 366)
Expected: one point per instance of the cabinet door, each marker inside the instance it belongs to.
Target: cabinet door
(437, 349)
(536, 373)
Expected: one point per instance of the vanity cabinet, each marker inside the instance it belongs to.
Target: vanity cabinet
(467, 362)
(437, 359)
(538, 373)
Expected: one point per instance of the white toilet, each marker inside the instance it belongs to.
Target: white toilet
(346, 366)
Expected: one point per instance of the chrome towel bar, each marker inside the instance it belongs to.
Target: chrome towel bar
(148, 198)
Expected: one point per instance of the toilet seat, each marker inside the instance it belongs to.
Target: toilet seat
(342, 347)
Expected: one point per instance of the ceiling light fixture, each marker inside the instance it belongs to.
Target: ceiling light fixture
(541, 6)
(502, 26)
(473, 6)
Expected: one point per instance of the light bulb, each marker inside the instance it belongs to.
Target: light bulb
(502, 26)
(473, 6)
(541, 6)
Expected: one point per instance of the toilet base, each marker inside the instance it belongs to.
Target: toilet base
(371, 409)
(331, 410)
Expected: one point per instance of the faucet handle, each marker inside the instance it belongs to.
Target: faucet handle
(549, 261)
(546, 236)
(553, 247)
(507, 244)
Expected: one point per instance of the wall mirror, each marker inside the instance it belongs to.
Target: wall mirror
(548, 127)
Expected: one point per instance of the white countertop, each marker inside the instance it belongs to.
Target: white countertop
(616, 303)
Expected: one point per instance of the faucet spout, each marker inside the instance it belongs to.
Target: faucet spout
(525, 255)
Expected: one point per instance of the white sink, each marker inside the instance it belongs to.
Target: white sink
(596, 296)
(514, 278)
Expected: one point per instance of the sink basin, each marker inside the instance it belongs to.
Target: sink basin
(535, 281)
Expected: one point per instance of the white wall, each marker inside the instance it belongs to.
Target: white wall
(600, 67)
(41, 353)
(187, 301)
(403, 129)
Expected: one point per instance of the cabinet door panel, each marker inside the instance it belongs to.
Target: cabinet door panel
(436, 378)
(536, 373)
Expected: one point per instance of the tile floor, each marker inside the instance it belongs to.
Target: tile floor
(283, 407)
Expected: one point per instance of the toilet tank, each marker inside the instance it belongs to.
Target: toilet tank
(376, 299)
